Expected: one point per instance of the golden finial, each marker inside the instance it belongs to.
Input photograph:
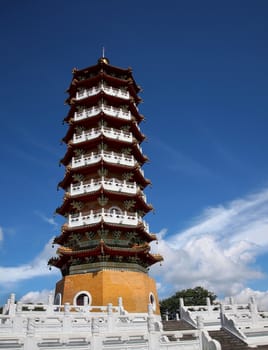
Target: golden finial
(103, 59)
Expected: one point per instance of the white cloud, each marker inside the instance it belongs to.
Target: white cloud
(239, 218)
(49, 220)
(1, 234)
(219, 249)
(37, 296)
(244, 295)
(36, 268)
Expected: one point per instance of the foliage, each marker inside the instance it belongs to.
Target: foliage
(78, 205)
(78, 177)
(191, 296)
(129, 204)
(127, 176)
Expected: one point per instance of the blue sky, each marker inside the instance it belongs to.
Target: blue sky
(203, 69)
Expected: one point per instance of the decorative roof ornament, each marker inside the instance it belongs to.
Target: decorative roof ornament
(103, 59)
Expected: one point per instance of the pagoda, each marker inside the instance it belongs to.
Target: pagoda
(104, 245)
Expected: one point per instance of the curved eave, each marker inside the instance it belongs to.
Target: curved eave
(69, 119)
(140, 228)
(101, 66)
(137, 132)
(89, 168)
(66, 232)
(134, 111)
(66, 206)
(91, 123)
(101, 162)
(106, 68)
(75, 84)
(149, 259)
(94, 99)
(110, 80)
(141, 179)
(93, 143)
(103, 249)
(137, 176)
(141, 252)
(138, 155)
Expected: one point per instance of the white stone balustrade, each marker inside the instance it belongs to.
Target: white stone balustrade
(108, 184)
(95, 157)
(109, 90)
(109, 110)
(209, 313)
(108, 132)
(116, 112)
(96, 216)
(208, 342)
(87, 113)
(87, 135)
(48, 326)
(84, 93)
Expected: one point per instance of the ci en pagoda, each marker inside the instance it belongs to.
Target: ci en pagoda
(104, 246)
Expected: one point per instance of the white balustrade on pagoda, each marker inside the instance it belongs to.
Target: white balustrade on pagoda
(109, 90)
(108, 216)
(109, 110)
(111, 133)
(108, 184)
(110, 157)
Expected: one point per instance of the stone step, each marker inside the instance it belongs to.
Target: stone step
(228, 341)
(174, 325)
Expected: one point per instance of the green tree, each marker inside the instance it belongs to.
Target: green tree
(191, 296)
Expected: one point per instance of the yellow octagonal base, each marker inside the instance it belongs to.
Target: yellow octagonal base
(137, 289)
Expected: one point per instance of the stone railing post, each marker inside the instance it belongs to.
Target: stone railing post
(67, 308)
(253, 309)
(150, 319)
(200, 322)
(19, 307)
(12, 305)
(181, 306)
(150, 309)
(110, 317)
(30, 327)
(233, 305)
(208, 302)
(120, 306)
(222, 314)
(95, 326)
(166, 315)
(50, 306)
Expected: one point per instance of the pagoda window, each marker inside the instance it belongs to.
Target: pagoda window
(152, 300)
(57, 300)
(115, 211)
(82, 298)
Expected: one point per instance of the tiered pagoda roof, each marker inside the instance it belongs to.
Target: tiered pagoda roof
(104, 203)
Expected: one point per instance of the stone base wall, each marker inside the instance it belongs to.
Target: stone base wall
(137, 289)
